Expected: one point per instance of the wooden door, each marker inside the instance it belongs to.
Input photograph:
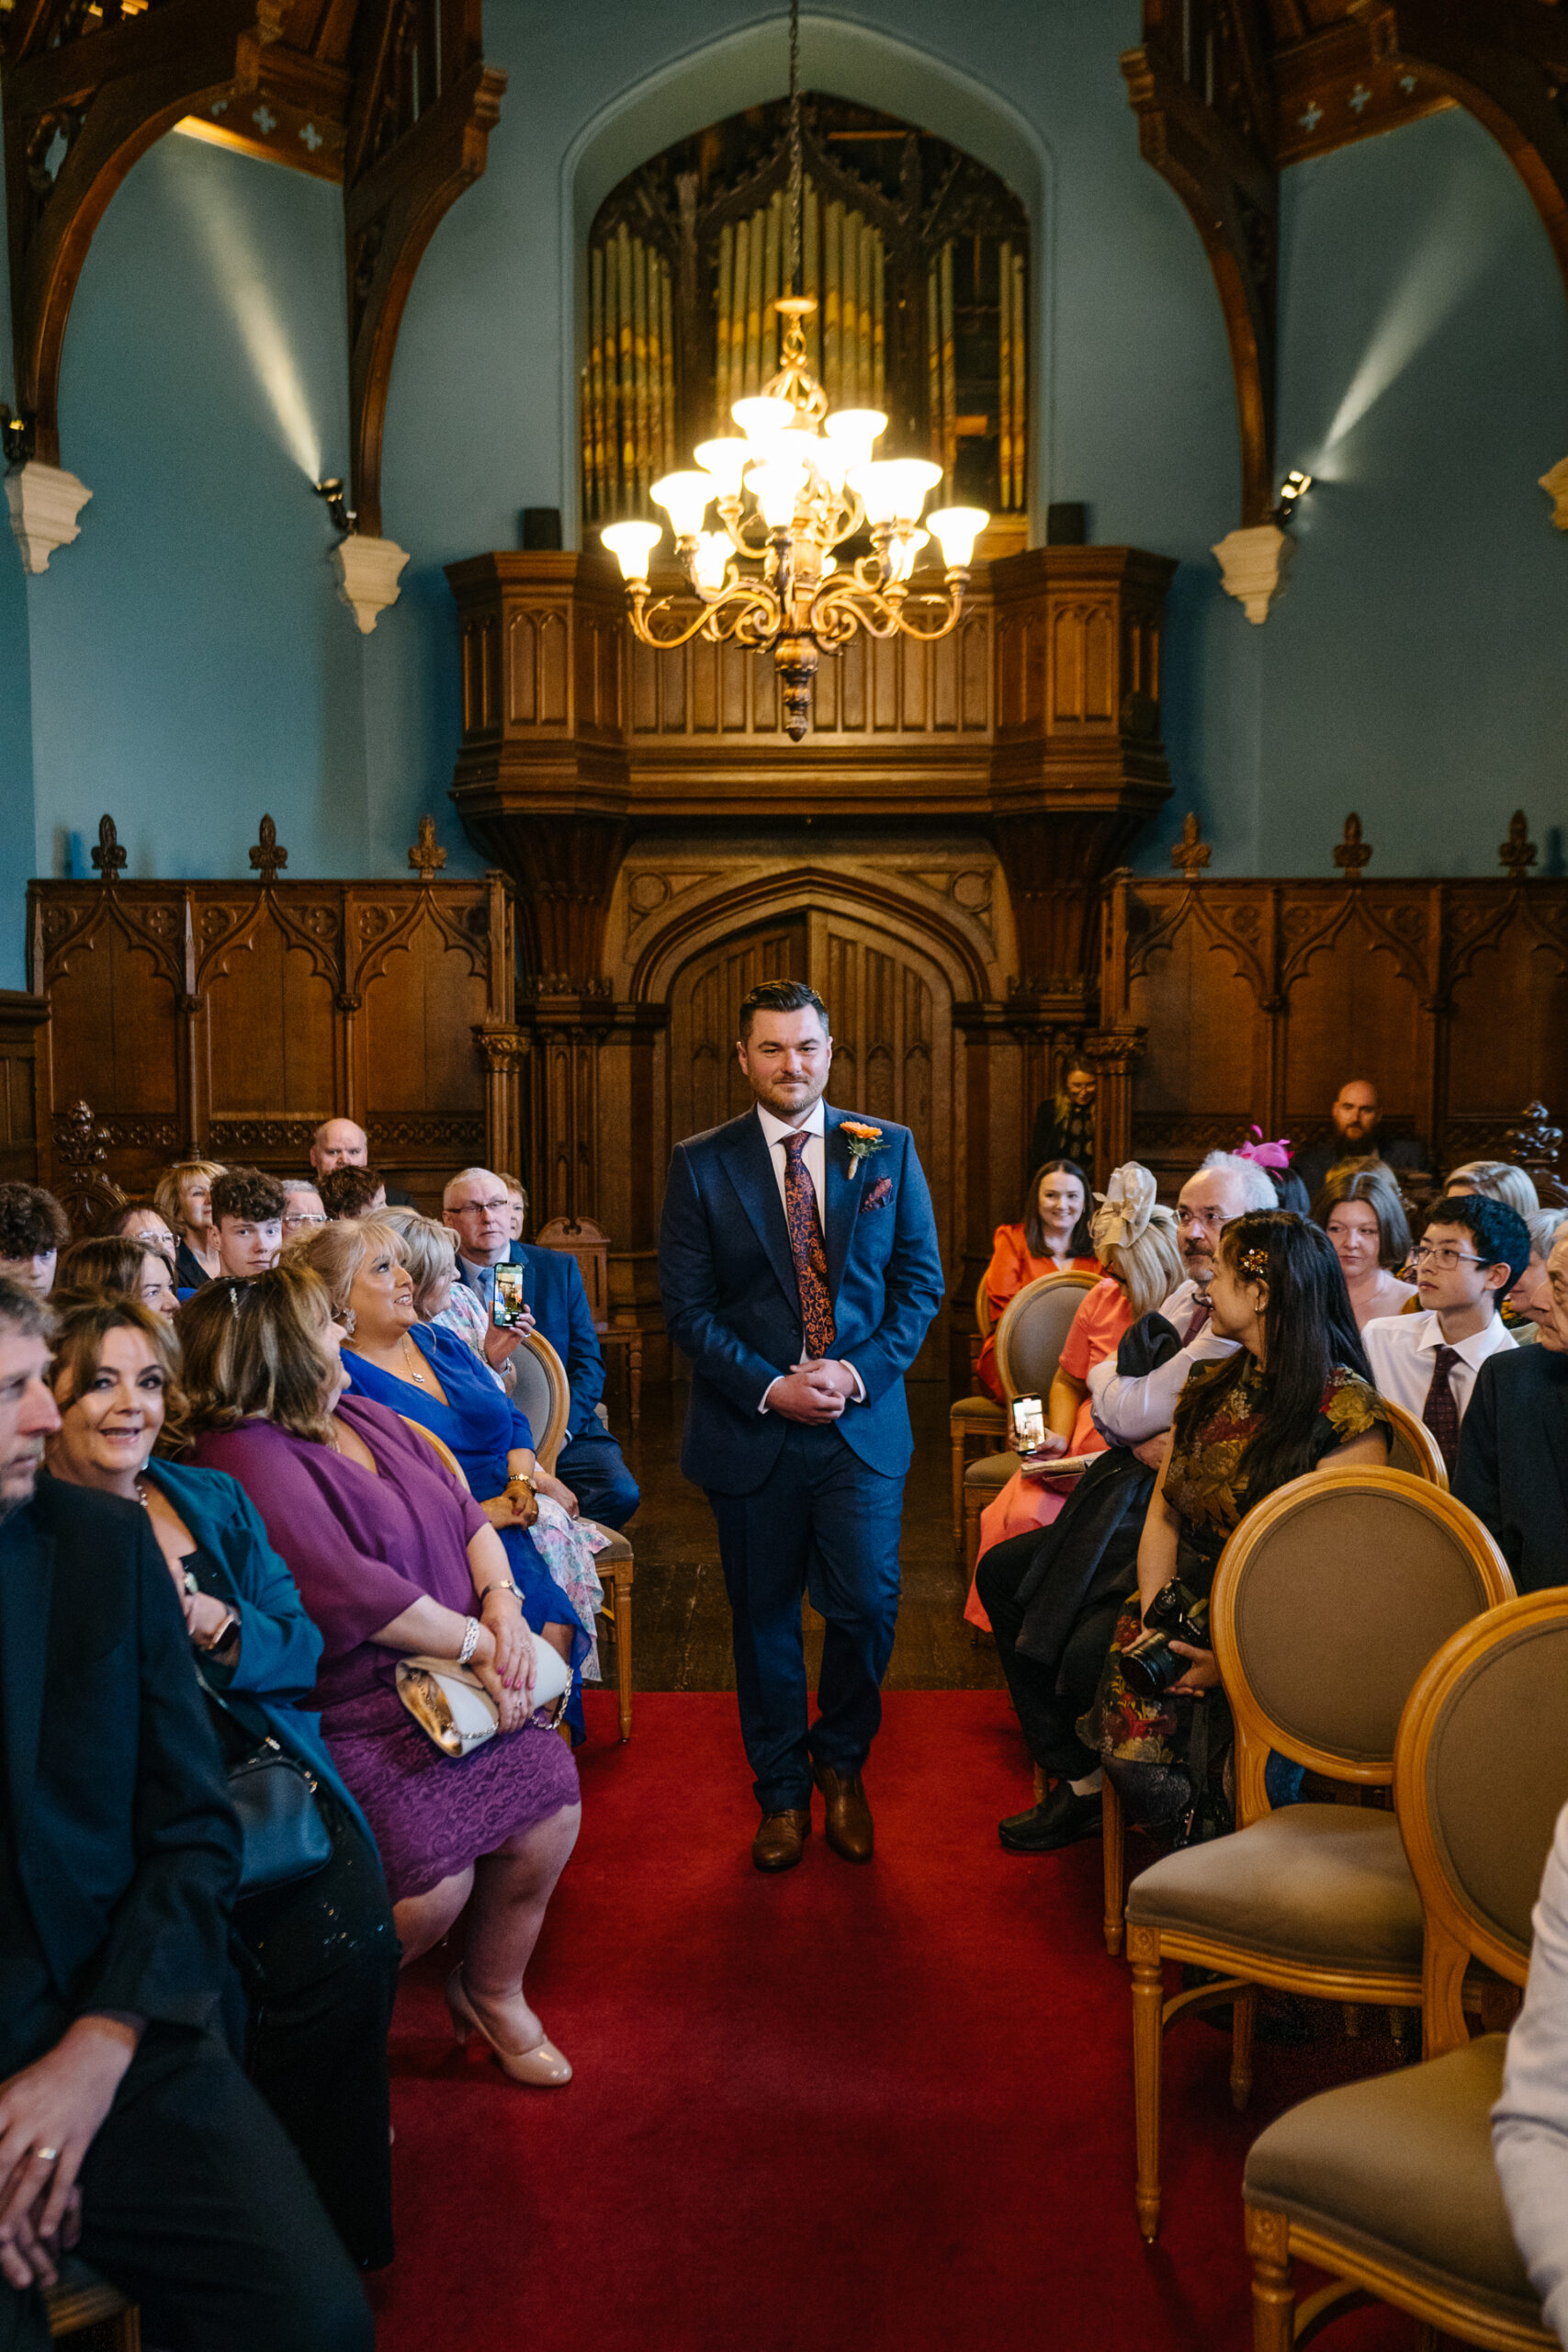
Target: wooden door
(891, 1013)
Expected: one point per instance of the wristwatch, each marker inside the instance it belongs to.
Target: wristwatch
(500, 1584)
(230, 1625)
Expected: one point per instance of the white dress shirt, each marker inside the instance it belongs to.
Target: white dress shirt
(1127, 1412)
(815, 1158)
(1403, 1353)
(1530, 2123)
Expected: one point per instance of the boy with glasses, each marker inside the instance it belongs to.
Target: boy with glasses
(1473, 1249)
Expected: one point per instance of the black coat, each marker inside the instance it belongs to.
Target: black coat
(122, 1837)
(1513, 1461)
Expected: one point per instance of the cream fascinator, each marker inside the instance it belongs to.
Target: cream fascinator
(1125, 1208)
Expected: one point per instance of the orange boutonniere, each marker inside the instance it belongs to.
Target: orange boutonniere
(863, 1140)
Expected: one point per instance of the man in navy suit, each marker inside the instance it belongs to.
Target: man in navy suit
(800, 1268)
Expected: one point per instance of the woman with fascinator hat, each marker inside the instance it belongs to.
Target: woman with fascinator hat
(1134, 1241)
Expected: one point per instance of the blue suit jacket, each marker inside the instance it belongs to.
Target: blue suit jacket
(564, 1317)
(732, 1302)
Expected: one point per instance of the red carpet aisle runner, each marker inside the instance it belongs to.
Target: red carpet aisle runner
(874, 2107)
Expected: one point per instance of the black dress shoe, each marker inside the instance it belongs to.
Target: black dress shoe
(1060, 1820)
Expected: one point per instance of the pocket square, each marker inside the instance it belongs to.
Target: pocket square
(877, 1195)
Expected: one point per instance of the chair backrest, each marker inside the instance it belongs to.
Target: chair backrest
(1329, 1601)
(543, 1393)
(1035, 1325)
(984, 1318)
(438, 1445)
(1412, 1446)
(1481, 1774)
(581, 1238)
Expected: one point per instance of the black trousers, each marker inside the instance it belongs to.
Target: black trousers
(195, 2204)
(1049, 1701)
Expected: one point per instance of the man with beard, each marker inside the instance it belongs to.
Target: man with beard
(1356, 1115)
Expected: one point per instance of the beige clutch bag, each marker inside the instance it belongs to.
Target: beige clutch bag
(451, 1703)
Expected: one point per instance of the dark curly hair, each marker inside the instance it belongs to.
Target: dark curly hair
(32, 1222)
(248, 1193)
(349, 1190)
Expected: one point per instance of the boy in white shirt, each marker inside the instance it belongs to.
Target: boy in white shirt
(1473, 1249)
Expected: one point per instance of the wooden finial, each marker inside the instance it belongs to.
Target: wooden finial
(268, 859)
(1353, 852)
(1190, 854)
(1517, 854)
(427, 856)
(108, 858)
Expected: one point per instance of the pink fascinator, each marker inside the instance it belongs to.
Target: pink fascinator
(1267, 1155)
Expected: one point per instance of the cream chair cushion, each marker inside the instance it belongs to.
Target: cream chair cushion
(979, 1415)
(1314, 1883)
(991, 1474)
(1401, 2167)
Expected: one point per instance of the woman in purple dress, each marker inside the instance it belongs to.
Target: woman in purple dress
(393, 1558)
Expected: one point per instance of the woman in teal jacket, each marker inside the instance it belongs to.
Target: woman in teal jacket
(317, 1955)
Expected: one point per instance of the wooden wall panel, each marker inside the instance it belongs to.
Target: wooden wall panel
(1202, 1048)
(269, 1025)
(21, 1018)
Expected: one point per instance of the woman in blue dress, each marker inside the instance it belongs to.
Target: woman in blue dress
(430, 1375)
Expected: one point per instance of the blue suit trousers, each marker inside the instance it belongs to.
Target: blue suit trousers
(822, 1522)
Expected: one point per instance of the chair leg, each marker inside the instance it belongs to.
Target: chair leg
(1244, 2016)
(1148, 2034)
(1273, 2291)
(634, 1378)
(623, 1653)
(958, 1465)
(1351, 2013)
(1113, 1864)
(972, 1510)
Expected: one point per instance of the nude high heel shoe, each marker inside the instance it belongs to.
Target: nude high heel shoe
(543, 2065)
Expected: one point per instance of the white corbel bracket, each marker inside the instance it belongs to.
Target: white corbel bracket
(44, 502)
(1253, 567)
(368, 572)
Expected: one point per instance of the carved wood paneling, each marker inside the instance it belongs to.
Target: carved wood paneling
(21, 1018)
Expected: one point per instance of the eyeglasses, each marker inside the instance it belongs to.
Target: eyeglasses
(1440, 1254)
(289, 1223)
(1215, 1217)
(483, 1208)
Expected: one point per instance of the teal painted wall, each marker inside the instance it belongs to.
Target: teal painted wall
(188, 663)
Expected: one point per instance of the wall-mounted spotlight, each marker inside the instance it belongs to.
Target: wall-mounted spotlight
(1294, 486)
(344, 517)
(16, 439)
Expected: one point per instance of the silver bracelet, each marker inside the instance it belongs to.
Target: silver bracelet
(472, 1629)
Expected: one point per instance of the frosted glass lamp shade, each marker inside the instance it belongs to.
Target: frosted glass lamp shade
(685, 498)
(853, 430)
(711, 561)
(903, 550)
(631, 544)
(957, 528)
(776, 488)
(724, 460)
(762, 421)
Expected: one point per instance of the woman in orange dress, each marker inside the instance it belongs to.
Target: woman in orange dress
(1135, 1245)
(1052, 1237)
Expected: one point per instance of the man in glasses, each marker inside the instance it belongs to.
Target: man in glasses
(1473, 1249)
(1513, 1456)
(302, 1209)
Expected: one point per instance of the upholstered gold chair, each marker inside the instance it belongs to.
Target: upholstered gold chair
(975, 1424)
(1389, 2185)
(542, 1392)
(82, 2300)
(1329, 1601)
(1411, 1448)
(1030, 1338)
(438, 1446)
(581, 1238)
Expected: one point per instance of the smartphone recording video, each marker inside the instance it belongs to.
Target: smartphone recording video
(509, 1306)
(1028, 1424)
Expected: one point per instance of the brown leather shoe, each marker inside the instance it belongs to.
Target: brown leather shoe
(781, 1839)
(848, 1824)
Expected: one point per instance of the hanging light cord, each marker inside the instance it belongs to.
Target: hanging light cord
(796, 164)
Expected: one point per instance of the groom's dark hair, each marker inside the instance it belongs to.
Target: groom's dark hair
(780, 996)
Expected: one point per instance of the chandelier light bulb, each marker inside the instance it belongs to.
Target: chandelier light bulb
(685, 498)
(631, 544)
(906, 547)
(762, 420)
(776, 489)
(723, 458)
(957, 528)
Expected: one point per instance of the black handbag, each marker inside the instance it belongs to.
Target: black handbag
(283, 1834)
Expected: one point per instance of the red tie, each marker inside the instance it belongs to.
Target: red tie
(1200, 1316)
(806, 1247)
(1440, 1411)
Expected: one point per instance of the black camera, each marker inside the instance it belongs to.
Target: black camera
(1149, 1665)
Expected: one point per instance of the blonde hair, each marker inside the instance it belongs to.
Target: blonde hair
(334, 1254)
(1151, 1266)
(1499, 1179)
(255, 1351)
(172, 1183)
(429, 1250)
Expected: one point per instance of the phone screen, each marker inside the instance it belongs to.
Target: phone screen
(1028, 1424)
(508, 1306)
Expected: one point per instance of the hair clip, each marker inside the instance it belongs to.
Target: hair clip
(235, 1289)
(1253, 1263)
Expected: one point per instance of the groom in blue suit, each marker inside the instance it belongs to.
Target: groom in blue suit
(800, 1268)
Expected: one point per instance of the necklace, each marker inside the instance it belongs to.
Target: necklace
(414, 1362)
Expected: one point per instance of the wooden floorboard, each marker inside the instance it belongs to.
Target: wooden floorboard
(681, 1617)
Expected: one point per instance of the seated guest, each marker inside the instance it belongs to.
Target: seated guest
(319, 1959)
(1499, 1179)
(432, 1377)
(1052, 1237)
(350, 1191)
(1136, 1240)
(1528, 1304)
(1530, 2123)
(127, 2129)
(1289, 1192)
(1137, 1409)
(138, 1223)
(518, 1200)
(1064, 1123)
(392, 1558)
(475, 1205)
(247, 1217)
(1473, 1249)
(1360, 1211)
(1293, 1397)
(1513, 1449)
(184, 1201)
(34, 1230)
(135, 1269)
(1356, 1118)
(303, 1206)
(339, 1143)
(430, 1253)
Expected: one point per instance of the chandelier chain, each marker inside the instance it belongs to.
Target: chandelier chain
(797, 158)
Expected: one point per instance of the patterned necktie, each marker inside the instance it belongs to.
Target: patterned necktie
(1200, 1316)
(1440, 1411)
(806, 1246)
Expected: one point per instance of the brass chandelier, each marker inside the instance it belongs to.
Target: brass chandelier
(795, 484)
